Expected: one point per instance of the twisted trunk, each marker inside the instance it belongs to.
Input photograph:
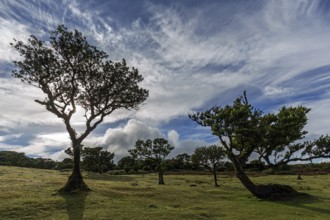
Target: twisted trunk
(269, 191)
(75, 181)
(215, 177)
(161, 177)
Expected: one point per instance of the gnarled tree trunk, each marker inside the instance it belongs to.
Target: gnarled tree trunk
(75, 181)
(161, 177)
(270, 191)
(215, 178)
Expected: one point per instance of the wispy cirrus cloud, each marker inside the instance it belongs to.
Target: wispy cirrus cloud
(191, 56)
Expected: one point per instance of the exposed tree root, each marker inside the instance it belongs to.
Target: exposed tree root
(75, 184)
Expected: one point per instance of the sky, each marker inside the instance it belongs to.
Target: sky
(192, 54)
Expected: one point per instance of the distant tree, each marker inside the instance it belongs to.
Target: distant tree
(12, 158)
(182, 161)
(72, 73)
(94, 159)
(97, 160)
(65, 164)
(273, 138)
(210, 157)
(128, 163)
(153, 150)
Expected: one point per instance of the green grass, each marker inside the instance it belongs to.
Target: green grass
(31, 194)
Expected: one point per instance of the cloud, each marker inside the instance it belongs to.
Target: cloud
(120, 139)
(191, 56)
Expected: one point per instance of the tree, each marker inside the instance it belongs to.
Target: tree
(154, 150)
(182, 161)
(97, 160)
(128, 163)
(274, 138)
(211, 158)
(72, 73)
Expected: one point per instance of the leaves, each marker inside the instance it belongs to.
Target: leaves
(156, 150)
(243, 130)
(209, 156)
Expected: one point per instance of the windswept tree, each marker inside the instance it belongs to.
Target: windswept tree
(154, 150)
(72, 73)
(211, 157)
(273, 138)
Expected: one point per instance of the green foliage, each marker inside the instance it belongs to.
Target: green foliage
(11, 158)
(210, 157)
(181, 162)
(128, 163)
(97, 160)
(153, 150)
(94, 159)
(243, 130)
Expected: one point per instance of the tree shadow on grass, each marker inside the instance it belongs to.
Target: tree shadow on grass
(303, 200)
(75, 204)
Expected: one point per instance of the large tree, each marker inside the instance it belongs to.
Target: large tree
(154, 150)
(71, 73)
(275, 139)
(211, 157)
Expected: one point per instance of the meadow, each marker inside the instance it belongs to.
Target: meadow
(32, 194)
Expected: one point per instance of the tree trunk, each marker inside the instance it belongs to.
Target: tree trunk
(161, 177)
(215, 178)
(75, 181)
(248, 184)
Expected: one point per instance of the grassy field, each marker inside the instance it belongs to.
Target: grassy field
(31, 194)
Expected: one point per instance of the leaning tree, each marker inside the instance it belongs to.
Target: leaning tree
(275, 139)
(211, 157)
(154, 150)
(72, 73)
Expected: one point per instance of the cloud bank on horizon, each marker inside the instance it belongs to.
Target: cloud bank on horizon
(192, 54)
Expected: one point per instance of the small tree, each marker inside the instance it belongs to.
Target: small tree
(210, 157)
(274, 138)
(156, 151)
(71, 73)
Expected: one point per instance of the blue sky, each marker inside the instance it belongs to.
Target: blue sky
(193, 55)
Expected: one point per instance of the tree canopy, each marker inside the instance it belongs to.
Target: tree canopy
(72, 73)
(154, 150)
(210, 157)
